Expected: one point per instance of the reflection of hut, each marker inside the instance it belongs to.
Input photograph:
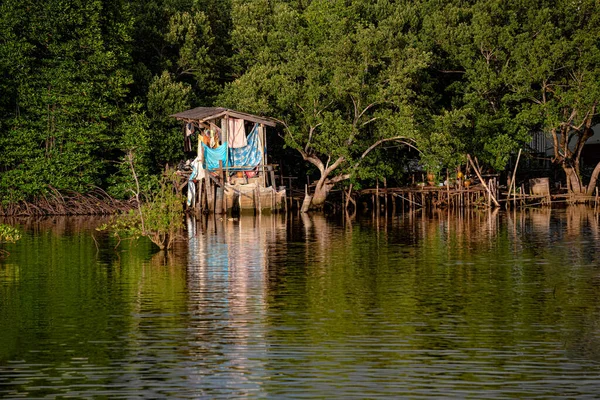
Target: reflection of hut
(230, 172)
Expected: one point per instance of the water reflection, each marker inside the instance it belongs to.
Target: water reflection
(480, 303)
(228, 274)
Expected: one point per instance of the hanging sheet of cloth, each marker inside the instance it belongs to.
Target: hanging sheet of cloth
(236, 133)
(249, 155)
(188, 131)
(213, 156)
(196, 175)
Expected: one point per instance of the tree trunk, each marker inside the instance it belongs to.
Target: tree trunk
(322, 189)
(573, 182)
(593, 180)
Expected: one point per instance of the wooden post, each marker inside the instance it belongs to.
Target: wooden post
(385, 199)
(213, 187)
(373, 203)
(448, 187)
(377, 198)
(272, 173)
(482, 181)
(263, 145)
(198, 199)
(208, 190)
(257, 203)
(222, 177)
(513, 182)
(272, 199)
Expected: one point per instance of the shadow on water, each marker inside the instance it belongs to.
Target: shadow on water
(475, 303)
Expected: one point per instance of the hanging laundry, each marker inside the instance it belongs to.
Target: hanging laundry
(206, 137)
(213, 142)
(249, 155)
(236, 133)
(197, 175)
(215, 128)
(213, 156)
(189, 130)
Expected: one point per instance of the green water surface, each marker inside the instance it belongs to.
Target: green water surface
(469, 305)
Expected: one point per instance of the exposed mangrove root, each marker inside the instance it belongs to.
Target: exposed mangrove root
(95, 202)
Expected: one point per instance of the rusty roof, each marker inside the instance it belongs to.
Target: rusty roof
(202, 114)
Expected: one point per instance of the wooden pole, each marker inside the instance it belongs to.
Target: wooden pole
(257, 205)
(448, 187)
(214, 196)
(377, 198)
(263, 153)
(273, 198)
(385, 201)
(482, 181)
(222, 176)
(513, 181)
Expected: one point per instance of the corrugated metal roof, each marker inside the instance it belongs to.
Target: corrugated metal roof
(202, 114)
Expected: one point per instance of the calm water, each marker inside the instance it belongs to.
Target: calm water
(480, 305)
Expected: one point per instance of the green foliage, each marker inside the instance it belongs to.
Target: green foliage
(74, 78)
(9, 234)
(68, 68)
(84, 83)
(135, 139)
(341, 75)
(508, 69)
(166, 97)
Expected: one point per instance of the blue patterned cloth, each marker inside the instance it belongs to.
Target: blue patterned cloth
(249, 155)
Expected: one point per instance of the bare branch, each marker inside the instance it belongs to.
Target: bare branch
(137, 186)
(369, 121)
(367, 108)
(356, 116)
(310, 135)
(334, 165)
(447, 71)
(339, 178)
(400, 139)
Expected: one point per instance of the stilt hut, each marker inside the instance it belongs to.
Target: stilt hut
(230, 173)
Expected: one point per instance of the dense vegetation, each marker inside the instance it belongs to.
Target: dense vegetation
(83, 83)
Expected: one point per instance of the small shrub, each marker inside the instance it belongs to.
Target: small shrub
(159, 218)
(9, 234)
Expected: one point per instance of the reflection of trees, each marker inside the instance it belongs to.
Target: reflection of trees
(70, 291)
(444, 280)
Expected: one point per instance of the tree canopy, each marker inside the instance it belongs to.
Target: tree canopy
(340, 76)
(84, 83)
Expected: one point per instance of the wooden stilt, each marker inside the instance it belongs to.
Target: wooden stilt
(377, 207)
(257, 203)
(385, 199)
